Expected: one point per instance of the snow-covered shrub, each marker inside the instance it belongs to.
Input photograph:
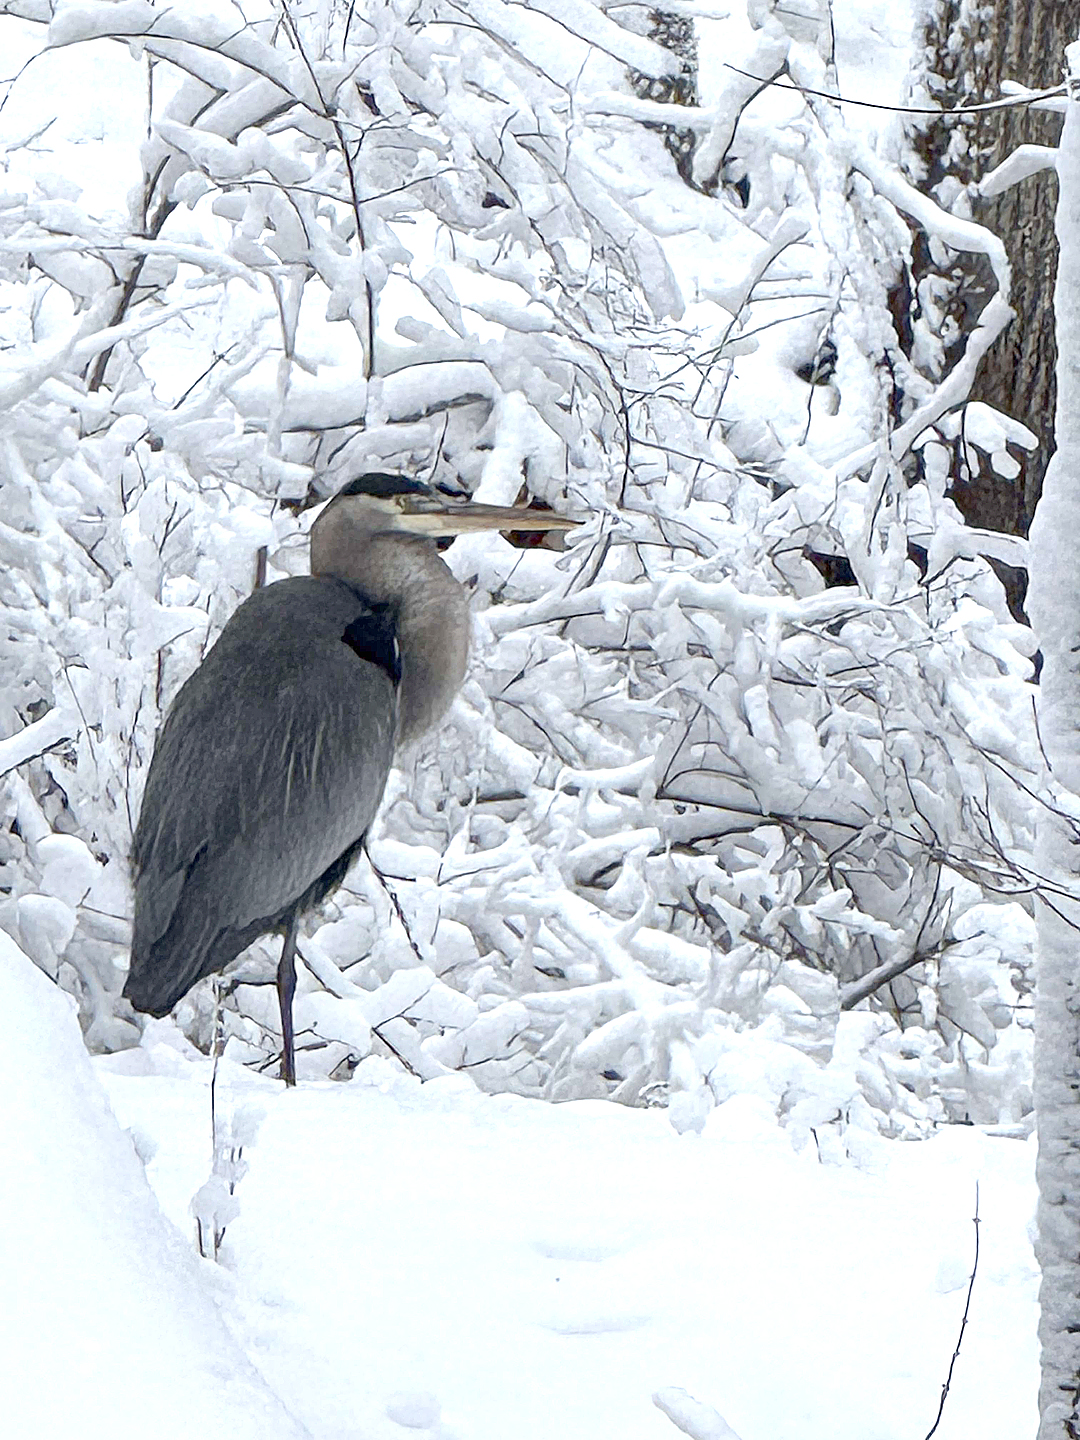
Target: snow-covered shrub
(693, 805)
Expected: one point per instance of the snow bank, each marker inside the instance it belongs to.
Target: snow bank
(427, 1260)
(109, 1330)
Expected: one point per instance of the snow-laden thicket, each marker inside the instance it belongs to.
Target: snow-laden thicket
(699, 822)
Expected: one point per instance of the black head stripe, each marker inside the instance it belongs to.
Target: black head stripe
(383, 485)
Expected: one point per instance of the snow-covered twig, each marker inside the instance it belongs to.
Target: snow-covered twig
(57, 727)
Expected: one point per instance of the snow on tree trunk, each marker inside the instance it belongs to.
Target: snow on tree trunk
(1055, 609)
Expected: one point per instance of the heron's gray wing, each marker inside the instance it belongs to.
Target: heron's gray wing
(270, 766)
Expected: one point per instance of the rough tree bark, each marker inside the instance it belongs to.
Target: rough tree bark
(676, 33)
(971, 49)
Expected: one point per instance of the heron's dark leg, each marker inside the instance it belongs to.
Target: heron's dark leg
(286, 986)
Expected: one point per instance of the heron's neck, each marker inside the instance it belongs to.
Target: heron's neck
(429, 608)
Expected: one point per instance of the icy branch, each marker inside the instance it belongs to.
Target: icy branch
(613, 598)
(53, 729)
(49, 361)
(1025, 160)
(585, 21)
(651, 112)
(213, 262)
(766, 59)
(218, 36)
(955, 232)
(952, 391)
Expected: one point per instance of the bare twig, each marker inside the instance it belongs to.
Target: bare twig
(963, 1323)
(1008, 103)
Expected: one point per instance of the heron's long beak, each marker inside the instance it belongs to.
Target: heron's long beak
(422, 516)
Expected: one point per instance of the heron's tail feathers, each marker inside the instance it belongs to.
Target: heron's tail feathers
(177, 939)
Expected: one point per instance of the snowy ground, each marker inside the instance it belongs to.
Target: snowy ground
(428, 1260)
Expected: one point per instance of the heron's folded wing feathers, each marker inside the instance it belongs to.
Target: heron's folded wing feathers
(271, 764)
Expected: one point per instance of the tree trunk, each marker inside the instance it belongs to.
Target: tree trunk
(971, 49)
(675, 33)
(1054, 601)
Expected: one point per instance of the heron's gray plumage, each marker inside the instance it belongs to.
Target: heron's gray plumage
(272, 762)
(225, 840)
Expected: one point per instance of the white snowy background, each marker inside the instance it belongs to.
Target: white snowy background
(704, 836)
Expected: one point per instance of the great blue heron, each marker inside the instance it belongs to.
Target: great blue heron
(273, 759)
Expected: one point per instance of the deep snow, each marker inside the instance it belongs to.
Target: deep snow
(109, 1329)
(426, 1259)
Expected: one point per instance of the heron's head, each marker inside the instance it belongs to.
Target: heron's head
(380, 504)
(378, 534)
